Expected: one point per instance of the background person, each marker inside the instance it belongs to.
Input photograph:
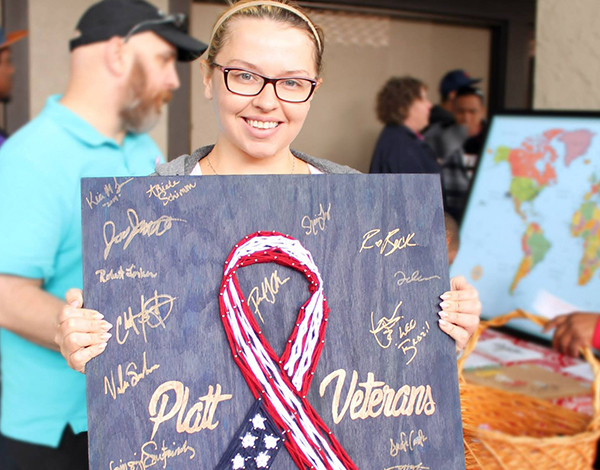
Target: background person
(458, 147)
(469, 111)
(261, 108)
(122, 73)
(403, 106)
(7, 69)
(575, 331)
(452, 237)
(443, 113)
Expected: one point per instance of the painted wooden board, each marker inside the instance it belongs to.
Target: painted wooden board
(168, 391)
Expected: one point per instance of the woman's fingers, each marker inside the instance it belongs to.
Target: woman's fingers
(470, 306)
(457, 333)
(462, 291)
(73, 320)
(76, 341)
(460, 312)
(460, 326)
(459, 282)
(70, 311)
(81, 333)
(74, 297)
(81, 357)
(466, 321)
(83, 325)
(470, 293)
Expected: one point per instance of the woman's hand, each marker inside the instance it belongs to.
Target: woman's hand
(573, 332)
(82, 334)
(460, 312)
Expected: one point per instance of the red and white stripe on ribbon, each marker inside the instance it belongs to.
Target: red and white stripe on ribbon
(282, 382)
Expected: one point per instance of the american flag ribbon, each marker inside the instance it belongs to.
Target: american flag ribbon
(281, 383)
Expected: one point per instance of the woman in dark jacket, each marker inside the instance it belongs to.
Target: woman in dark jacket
(403, 106)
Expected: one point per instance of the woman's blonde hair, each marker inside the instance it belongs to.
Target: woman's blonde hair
(283, 11)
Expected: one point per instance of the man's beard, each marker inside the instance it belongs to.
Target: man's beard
(142, 108)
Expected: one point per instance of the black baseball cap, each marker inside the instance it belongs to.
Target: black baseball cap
(456, 79)
(123, 18)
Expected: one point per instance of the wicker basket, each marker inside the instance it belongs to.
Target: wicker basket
(504, 430)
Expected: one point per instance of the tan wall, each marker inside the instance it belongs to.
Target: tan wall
(51, 25)
(342, 125)
(567, 63)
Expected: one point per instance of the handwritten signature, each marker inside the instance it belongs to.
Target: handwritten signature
(408, 442)
(109, 196)
(410, 345)
(133, 375)
(385, 326)
(414, 277)
(136, 227)
(267, 290)
(153, 313)
(383, 332)
(131, 272)
(170, 191)
(388, 243)
(151, 455)
(317, 223)
(407, 466)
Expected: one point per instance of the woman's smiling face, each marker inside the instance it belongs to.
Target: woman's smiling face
(261, 126)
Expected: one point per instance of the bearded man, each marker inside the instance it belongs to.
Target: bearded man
(122, 73)
(7, 69)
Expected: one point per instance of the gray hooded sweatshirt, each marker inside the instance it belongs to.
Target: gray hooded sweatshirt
(184, 165)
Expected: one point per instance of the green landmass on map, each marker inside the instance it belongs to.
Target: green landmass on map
(535, 246)
(585, 224)
(502, 154)
(523, 189)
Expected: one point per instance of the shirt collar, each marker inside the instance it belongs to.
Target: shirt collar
(75, 124)
(412, 133)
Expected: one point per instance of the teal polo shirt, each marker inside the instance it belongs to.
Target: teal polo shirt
(40, 238)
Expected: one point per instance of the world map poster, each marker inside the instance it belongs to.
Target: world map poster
(530, 236)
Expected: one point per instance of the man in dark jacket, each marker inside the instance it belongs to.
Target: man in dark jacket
(443, 113)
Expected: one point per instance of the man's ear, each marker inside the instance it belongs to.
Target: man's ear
(207, 72)
(117, 56)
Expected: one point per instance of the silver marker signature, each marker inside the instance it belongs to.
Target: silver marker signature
(136, 227)
(414, 277)
(109, 196)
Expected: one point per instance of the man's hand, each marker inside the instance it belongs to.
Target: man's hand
(573, 332)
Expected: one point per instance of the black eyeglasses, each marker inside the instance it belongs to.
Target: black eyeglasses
(178, 20)
(246, 83)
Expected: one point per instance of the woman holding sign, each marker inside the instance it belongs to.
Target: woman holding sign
(261, 71)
